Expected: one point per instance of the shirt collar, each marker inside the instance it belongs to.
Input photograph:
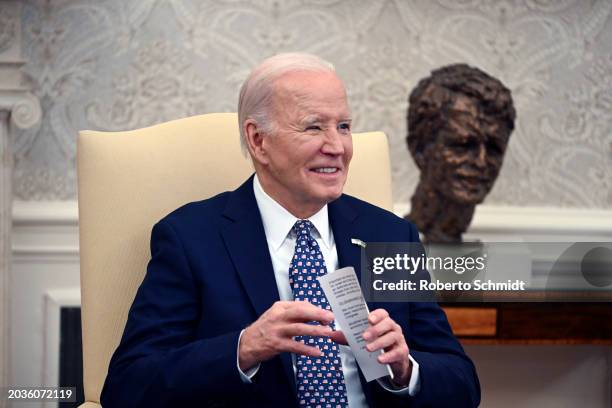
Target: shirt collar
(277, 221)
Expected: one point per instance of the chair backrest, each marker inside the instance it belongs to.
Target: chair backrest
(127, 181)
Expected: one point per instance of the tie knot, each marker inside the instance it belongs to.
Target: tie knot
(302, 227)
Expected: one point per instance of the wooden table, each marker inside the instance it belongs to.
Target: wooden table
(531, 323)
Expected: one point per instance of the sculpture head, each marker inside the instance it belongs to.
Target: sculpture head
(459, 123)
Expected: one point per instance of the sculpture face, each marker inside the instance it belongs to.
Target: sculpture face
(466, 156)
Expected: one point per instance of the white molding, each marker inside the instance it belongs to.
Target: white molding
(55, 213)
(543, 221)
(487, 216)
(45, 232)
(45, 255)
(55, 299)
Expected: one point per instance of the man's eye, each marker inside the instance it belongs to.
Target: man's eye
(459, 146)
(494, 148)
(464, 145)
(345, 127)
(313, 127)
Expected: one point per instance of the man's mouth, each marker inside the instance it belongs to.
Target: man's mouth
(326, 170)
(473, 177)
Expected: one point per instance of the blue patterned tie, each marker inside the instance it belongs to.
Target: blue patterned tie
(320, 381)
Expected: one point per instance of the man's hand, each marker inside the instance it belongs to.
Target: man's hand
(385, 334)
(273, 332)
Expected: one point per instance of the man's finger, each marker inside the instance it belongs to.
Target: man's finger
(339, 337)
(303, 329)
(386, 340)
(284, 303)
(377, 315)
(307, 312)
(392, 356)
(297, 347)
(379, 329)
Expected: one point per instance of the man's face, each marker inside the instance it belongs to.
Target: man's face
(467, 155)
(307, 154)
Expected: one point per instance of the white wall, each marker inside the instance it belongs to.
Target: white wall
(118, 65)
(544, 376)
(44, 276)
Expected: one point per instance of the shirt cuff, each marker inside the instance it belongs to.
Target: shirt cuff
(247, 377)
(414, 385)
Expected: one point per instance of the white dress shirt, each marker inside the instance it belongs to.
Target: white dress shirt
(278, 224)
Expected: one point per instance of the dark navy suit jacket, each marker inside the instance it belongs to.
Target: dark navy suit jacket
(211, 275)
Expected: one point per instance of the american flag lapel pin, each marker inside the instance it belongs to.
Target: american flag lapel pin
(358, 242)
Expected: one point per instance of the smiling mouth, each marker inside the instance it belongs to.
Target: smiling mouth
(479, 180)
(473, 178)
(326, 170)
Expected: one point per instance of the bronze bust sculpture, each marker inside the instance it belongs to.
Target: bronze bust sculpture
(459, 123)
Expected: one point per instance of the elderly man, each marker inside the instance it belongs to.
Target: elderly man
(224, 315)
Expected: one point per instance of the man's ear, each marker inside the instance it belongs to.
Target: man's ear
(417, 151)
(419, 158)
(254, 141)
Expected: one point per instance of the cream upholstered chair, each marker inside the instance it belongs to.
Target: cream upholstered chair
(127, 181)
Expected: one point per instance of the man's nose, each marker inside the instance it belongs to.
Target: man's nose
(333, 143)
(481, 156)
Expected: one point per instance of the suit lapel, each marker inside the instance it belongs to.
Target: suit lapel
(245, 240)
(342, 218)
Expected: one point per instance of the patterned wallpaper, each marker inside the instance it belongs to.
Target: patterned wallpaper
(117, 64)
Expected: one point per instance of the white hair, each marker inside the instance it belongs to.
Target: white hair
(257, 90)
